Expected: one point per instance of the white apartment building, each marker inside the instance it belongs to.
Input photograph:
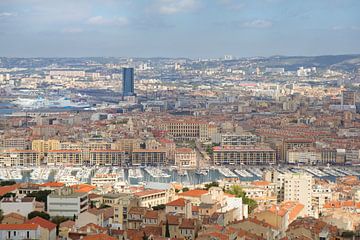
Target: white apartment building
(66, 202)
(299, 187)
(22, 206)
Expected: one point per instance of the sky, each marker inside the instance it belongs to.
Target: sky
(178, 28)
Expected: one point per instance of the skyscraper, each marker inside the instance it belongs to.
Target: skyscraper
(348, 97)
(128, 82)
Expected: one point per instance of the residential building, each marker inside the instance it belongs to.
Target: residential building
(67, 202)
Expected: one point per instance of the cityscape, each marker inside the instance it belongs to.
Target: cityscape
(160, 147)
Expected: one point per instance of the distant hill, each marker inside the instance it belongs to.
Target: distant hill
(342, 62)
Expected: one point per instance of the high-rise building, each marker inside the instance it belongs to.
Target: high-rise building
(128, 82)
(348, 98)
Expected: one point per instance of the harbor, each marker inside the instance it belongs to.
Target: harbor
(136, 175)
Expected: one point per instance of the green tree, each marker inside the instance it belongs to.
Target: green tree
(8, 195)
(238, 192)
(185, 189)
(38, 214)
(209, 185)
(1, 215)
(167, 229)
(58, 220)
(7, 183)
(159, 207)
(40, 196)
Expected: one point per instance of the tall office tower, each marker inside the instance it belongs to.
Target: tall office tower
(348, 97)
(128, 82)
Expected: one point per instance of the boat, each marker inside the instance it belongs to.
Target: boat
(202, 172)
(227, 172)
(135, 173)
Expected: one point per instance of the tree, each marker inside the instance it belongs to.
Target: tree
(103, 206)
(58, 220)
(209, 185)
(145, 237)
(7, 183)
(1, 215)
(40, 196)
(167, 229)
(38, 214)
(8, 195)
(238, 192)
(185, 189)
(159, 207)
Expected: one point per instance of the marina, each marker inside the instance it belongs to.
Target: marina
(136, 175)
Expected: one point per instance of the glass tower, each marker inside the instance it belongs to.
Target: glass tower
(128, 82)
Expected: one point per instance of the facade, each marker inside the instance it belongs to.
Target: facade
(13, 157)
(151, 197)
(128, 82)
(22, 206)
(185, 158)
(145, 157)
(43, 146)
(348, 97)
(303, 156)
(20, 231)
(238, 155)
(107, 157)
(65, 157)
(187, 130)
(66, 202)
(298, 187)
(239, 139)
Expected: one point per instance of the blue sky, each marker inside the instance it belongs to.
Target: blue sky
(178, 28)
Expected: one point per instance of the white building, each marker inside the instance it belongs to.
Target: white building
(66, 202)
(20, 231)
(22, 206)
(298, 187)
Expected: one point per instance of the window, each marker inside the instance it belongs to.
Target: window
(27, 234)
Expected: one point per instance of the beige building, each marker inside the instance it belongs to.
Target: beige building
(43, 146)
(187, 130)
(13, 157)
(65, 157)
(238, 155)
(151, 197)
(185, 158)
(107, 157)
(146, 157)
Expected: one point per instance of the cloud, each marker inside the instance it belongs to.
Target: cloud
(72, 30)
(7, 14)
(341, 28)
(100, 20)
(257, 23)
(175, 6)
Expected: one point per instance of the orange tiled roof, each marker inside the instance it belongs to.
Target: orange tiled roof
(43, 223)
(6, 189)
(52, 184)
(261, 183)
(99, 237)
(24, 226)
(180, 202)
(193, 193)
